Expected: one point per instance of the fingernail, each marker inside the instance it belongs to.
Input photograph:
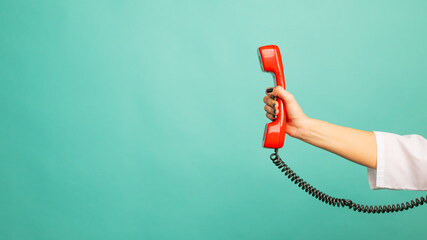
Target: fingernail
(273, 97)
(274, 111)
(274, 105)
(274, 116)
(269, 90)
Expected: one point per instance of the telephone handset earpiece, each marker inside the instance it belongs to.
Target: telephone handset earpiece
(274, 137)
(271, 61)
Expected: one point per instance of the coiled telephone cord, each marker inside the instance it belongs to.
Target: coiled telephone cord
(340, 202)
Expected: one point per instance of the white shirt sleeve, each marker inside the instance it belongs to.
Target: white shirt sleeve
(401, 162)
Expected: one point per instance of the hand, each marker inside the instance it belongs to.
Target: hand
(296, 119)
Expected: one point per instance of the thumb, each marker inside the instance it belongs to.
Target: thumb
(291, 104)
(286, 96)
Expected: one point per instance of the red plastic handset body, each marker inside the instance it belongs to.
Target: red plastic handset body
(271, 61)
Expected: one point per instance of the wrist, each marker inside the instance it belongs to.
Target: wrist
(305, 129)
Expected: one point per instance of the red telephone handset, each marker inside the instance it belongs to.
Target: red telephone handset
(271, 61)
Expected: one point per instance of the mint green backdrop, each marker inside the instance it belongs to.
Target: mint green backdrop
(144, 119)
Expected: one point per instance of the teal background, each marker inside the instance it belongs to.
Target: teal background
(144, 119)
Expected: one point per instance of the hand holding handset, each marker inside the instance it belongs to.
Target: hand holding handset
(271, 61)
(274, 137)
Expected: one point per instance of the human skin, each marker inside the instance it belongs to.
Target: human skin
(355, 145)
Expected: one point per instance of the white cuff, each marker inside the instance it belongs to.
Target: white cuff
(376, 177)
(401, 162)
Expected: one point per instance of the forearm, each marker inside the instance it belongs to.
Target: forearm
(355, 145)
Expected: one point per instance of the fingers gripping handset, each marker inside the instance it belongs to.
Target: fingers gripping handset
(271, 61)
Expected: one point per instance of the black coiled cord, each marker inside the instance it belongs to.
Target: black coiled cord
(340, 202)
